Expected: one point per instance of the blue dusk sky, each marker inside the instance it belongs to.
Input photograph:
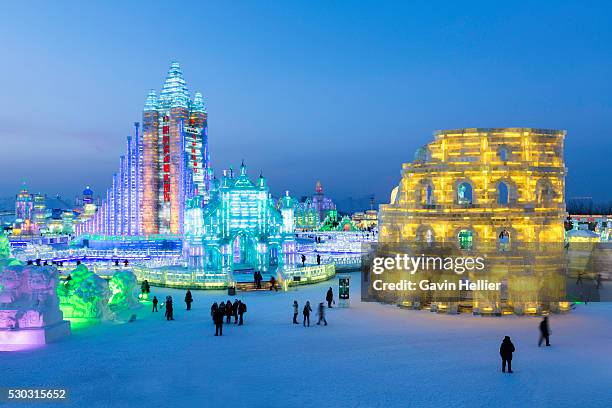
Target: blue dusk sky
(338, 91)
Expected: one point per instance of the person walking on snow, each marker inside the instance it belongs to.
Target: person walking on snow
(598, 280)
(188, 299)
(229, 311)
(222, 309)
(273, 284)
(505, 351)
(544, 332)
(306, 313)
(235, 310)
(329, 297)
(295, 312)
(218, 319)
(321, 313)
(241, 311)
(303, 259)
(155, 302)
(169, 308)
(258, 279)
(213, 309)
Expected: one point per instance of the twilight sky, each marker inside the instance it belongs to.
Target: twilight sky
(338, 91)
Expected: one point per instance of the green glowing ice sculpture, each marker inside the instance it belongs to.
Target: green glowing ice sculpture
(85, 295)
(122, 286)
(5, 247)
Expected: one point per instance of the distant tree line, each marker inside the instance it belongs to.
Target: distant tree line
(582, 206)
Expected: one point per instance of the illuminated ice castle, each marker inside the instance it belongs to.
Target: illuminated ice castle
(239, 228)
(470, 185)
(498, 193)
(165, 165)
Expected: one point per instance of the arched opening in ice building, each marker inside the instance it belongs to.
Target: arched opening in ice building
(503, 239)
(464, 193)
(503, 193)
(465, 239)
(425, 235)
(545, 192)
(502, 153)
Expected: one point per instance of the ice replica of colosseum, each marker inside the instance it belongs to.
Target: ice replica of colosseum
(497, 193)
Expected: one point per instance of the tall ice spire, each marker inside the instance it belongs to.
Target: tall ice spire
(198, 103)
(151, 103)
(174, 92)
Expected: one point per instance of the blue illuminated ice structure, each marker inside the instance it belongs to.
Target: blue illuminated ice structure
(239, 228)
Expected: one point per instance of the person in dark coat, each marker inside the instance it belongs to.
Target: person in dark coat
(218, 319)
(544, 332)
(303, 259)
(306, 312)
(235, 310)
(257, 276)
(321, 313)
(155, 302)
(505, 351)
(145, 288)
(169, 309)
(222, 309)
(318, 259)
(329, 297)
(241, 311)
(598, 280)
(229, 311)
(188, 299)
(295, 312)
(273, 284)
(213, 309)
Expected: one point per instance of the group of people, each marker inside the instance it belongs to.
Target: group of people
(169, 314)
(303, 259)
(329, 297)
(169, 305)
(598, 280)
(225, 311)
(219, 312)
(507, 348)
(258, 278)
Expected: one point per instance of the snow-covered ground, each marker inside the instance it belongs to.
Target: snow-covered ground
(370, 355)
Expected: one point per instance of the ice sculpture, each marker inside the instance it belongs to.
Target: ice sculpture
(84, 295)
(122, 286)
(29, 306)
(5, 247)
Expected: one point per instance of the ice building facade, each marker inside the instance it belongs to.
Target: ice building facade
(239, 228)
(498, 193)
